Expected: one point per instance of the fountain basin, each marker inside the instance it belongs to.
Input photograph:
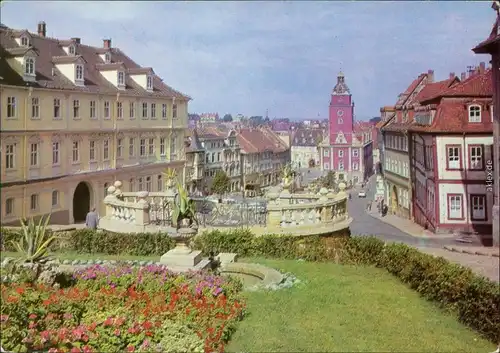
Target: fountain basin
(252, 275)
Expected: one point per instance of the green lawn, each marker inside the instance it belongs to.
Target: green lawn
(74, 255)
(348, 309)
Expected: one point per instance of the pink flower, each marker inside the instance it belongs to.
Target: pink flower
(4, 318)
(32, 316)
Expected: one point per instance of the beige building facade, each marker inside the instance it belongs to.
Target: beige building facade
(75, 118)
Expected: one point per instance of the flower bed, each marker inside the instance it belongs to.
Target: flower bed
(112, 309)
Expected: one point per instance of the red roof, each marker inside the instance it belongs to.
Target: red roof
(433, 89)
(255, 140)
(476, 85)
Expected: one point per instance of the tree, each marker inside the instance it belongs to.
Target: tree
(329, 181)
(221, 183)
(227, 118)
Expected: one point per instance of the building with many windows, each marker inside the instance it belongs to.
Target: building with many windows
(491, 46)
(451, 152)
(74, 119)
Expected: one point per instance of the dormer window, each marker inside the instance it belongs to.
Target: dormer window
(107, 58)
(29, 66)
(150, 83)
(474, 114)
(25, 41)
(79, 73)
(121, 78)
(71, 50)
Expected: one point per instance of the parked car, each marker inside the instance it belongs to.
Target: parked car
(362, 193)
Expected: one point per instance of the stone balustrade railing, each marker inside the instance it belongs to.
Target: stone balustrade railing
(145, 211)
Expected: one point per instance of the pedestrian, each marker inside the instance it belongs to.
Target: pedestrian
(369, 206)
(92, 219)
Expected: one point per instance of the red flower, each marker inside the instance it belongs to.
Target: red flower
(147, 325)
(117, 332)
(130, 349)
(75, 350)
(32, 316)
(20, 290)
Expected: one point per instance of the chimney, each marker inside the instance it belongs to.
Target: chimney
(42, 29)
(463, 76)
(106, 43)
(482, 67)
(430, 76)
(452, 75)
(76, 40)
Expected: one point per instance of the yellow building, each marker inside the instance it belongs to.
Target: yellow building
(75, 118)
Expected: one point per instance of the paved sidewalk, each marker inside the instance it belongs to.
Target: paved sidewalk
(474, 250)
(487, 266)
(407, 226)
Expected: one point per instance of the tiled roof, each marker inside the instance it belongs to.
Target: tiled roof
(476, 85)
(451, 117)
(255, 140)
(433, 89)
(307, 137)
(50, 51)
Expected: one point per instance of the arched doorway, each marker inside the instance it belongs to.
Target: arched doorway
(394, 199)
(81, 202)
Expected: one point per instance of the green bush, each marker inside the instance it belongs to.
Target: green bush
(474, 299)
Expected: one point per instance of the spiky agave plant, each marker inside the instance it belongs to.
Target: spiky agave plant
(35, 241)
(184, 208)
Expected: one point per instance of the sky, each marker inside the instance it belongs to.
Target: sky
(278, 56)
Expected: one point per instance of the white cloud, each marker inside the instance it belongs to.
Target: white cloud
(249, 56)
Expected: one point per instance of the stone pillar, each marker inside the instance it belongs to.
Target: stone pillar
(142, 210)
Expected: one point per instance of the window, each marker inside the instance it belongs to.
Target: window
(105, 150)
(454, 161)
(131, 185)
(25, 42)
(148, 183)
(119, 148)
(10, 156)
(145, 110)
(9, 206)
(121, 79)
(29, 66)
(150, 82)
(478, 207)
(141, 184)
(55, 153)
(173, 149)
(160, 183)
(34, 202)
(131, 147)
(107, 114)
(142, 147)
(455, 210)
(326, 152)
(153, 110)
(174, 111)
(405, 169)
(105, 187)
(475, 157)
(131, 110)
(92, 110)
(76, 109)
(162, 146)
(57, 108)
(340, 121)
(355, 166)
(55, 198)
(119, 110)
(341, 166)
(164, 111)
(76, 152)
(79, 72)
(355, 153)
(341, 153)
(34, 155)
(71, 50)
(474, 114)
(92, 156)
(151, 146)
(326, 166)
(11, 107)
(207, 158)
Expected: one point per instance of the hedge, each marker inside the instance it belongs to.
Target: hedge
(474, 299)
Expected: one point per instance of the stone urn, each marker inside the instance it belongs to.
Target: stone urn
(182, 237)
